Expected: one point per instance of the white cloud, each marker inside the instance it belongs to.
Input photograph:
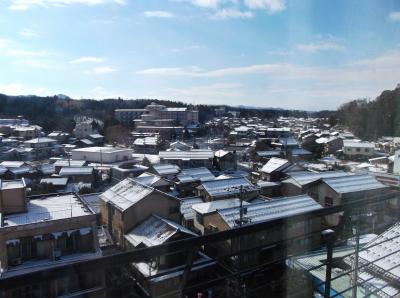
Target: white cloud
(394, 16)
(24, 53)
(34, 63)
(207, 3)
(88, 59)
(104, 70)
(321, 46)
(28, 33)
(172, 71)
(231, 13)
(183, 49)
(19, 89)
(27, 4)
(159, 14)
(280, 53)
(4, 43)
(271, 6)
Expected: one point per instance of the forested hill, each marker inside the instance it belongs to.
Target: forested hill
(372, 119)
(58, 112)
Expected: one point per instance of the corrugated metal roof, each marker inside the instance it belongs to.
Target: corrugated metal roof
(186, 155)
(155, 230)
(353, 183)
(304, 177)
(195, 174)
(275, 164)
(67, 171)
(126, 193)
(166, 169)
(186, 206)
(208, 207)
(229, 186)
(268, 210)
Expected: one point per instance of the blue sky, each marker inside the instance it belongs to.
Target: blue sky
(270, 53)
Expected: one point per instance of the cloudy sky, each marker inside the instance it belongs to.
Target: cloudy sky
(269, 53)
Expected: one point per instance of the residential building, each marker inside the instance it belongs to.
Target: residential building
(107, 155)
(353, 148)
(126, 116)
(129, 203)
(188, 159)
(52, 231)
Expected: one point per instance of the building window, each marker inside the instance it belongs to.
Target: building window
(199, 218)
(328, 202)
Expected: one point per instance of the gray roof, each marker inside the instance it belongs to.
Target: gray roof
(275, 164)
(166, 169)
(155, 230)
(186, 206)
(353, 183)
(69, 163)
(68, 171)
(273, 209)
(229, 186)
(126, 193)
(209, 207)
(195, 174)
(305, 177)
(151, 180)
(187, 155)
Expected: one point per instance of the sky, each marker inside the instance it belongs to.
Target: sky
(308, 54)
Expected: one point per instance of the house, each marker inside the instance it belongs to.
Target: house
(189, 179)
(60, 163)
(203, 213)
(331, 144)
(361, 149)
(227, 188)
(297, 183)
(18, 169)
(147, 145)
(179, 146)
(43, 147)
(102, 154)
(52, 231)
(334, 191)
(162, 277)
(228, 218)
(127, 169)
(225, 160)
(167, 171)
(78, 174)
(60, 184)
(129, 203)
(187, 211)
(84, 129)
(154, 181)
(188, 159)
(97, 139)
(276, 168)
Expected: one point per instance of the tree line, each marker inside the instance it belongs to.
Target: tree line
(371, 119)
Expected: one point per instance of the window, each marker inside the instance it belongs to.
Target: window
(199, 218)
(328, 202)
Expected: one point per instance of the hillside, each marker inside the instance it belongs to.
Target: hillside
(58, 112)
(373, 119)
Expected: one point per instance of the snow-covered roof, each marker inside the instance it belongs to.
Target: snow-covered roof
(221, 153)
(155, 230)
(68, 171)
(12, 184)
(40, 140)
(195, 174)
(12, 164)
(273, 209)
(305, 177)
(187, 155)
(47, 209)
(166, 169)
(126, 193)
(353, 183)
(354, 144)
(275, 164)
(186, 206)
(69, 163)
(209, 207)
(230, 186)
(150, 180)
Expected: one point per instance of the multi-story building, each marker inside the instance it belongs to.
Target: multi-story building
(126, 116)
(51, 231)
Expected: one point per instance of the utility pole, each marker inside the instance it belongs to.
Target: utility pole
(356, 233)
(328, 236)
